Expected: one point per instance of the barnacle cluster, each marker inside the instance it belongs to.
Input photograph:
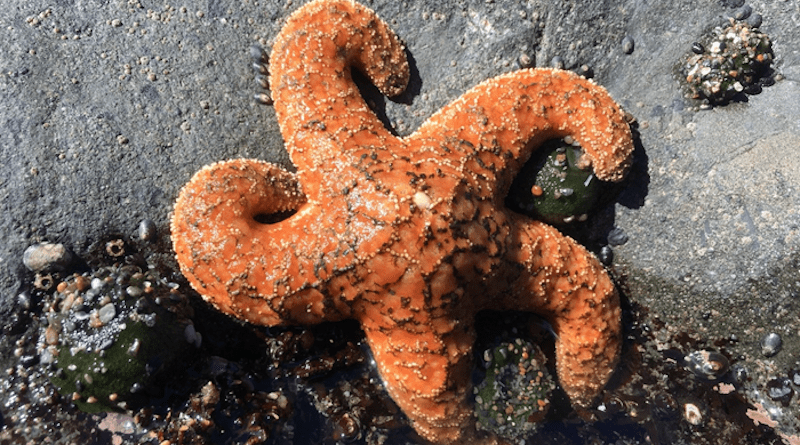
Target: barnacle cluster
(736, 59)
(113, 334)
(556, 185)
(514, 395)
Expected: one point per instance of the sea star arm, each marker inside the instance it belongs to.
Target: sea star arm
(426, 374)
(491, 131)
(257, 271)
(567, 285)
(497, 124)
(315, 96)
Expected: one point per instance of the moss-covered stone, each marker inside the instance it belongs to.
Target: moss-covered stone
(136, 359)
(514, 395)
(113, 345)
(556, 185)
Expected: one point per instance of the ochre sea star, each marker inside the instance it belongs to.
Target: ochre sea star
(409, 236)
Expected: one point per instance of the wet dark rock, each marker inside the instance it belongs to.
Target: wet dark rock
(712, 208)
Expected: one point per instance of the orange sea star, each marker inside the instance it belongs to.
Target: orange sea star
(409, 236)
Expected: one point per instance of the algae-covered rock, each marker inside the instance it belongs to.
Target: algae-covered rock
(557, 184)
(514, 395)
(114, 336)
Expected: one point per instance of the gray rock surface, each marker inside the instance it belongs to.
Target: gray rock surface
(109, 107)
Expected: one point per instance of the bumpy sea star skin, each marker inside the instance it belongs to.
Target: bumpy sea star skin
(410, 236)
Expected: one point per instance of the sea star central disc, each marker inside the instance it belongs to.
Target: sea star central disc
(409, 236)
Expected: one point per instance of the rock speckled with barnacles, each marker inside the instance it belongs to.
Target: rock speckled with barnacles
(514, 395)
(357, 409)
(231, 404)
(113, 333)
(732, 61)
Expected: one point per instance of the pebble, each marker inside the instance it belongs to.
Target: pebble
(627, 44)
(754, 20)
(24, 300)
(794, 376)
(47, 357)
(133, 349)
(46, 256)
(692, 414)
(107, 313)
(606, 255)
(28, 360)
(617, 237)
(82, 283)
(97, 283)
(707, 365)
(771, 344)
(780, 390)
(743, 12)
(147, 230)
(192, 336)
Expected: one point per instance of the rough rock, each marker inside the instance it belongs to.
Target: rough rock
(42, 257)
(111, 105)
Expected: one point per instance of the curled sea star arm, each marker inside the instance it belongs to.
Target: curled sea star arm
(315, 96)
(260, 272)
(498, 123)
(282, 271)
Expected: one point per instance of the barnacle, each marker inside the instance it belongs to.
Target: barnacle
(735, 59)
